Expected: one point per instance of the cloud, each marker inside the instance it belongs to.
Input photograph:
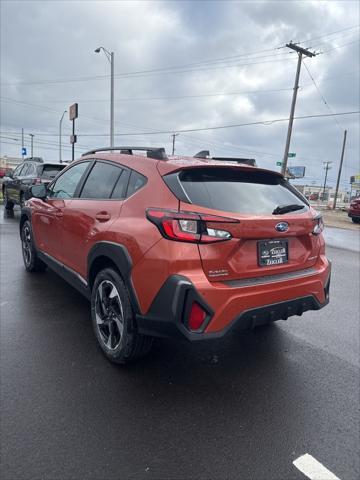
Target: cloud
(44, 42)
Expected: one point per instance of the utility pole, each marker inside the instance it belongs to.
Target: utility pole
(300, 51)
(112, 120)
(31, 135)
(340, 168)
(22, 143)
(173, 142)
(327, 168)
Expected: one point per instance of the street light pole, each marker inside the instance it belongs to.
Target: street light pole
(61, 119)
(111, 58)
(31, 135)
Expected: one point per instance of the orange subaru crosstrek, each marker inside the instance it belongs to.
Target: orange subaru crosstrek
(176, 246)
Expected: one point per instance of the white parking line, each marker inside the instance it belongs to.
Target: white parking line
(313, 469)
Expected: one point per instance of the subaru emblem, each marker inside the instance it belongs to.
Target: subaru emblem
(282, 227)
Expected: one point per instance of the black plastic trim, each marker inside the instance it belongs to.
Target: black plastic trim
(166, 314)
(245, 282)
(118, 254)
(72, 277)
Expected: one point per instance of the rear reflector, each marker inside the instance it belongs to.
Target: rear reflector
(196, 317)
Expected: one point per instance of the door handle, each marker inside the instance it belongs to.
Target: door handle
(102, 216)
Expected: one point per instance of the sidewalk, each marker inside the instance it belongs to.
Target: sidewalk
(338, 219)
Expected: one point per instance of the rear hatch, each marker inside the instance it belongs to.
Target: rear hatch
(48, 171)
(266, 238)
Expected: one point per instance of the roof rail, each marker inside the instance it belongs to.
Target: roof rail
(158, 153)
(202, 154)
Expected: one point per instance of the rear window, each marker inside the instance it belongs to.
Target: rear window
(238, 191)
(50, 171)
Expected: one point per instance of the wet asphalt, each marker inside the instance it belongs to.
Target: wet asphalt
(244, 407)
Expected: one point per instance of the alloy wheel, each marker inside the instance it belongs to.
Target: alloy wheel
(26, 244)
(109, 314)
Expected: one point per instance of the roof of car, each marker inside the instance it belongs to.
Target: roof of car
(172, 163)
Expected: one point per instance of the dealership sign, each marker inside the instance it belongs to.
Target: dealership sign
(297, 172)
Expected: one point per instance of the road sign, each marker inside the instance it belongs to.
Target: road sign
(73, 139)
(73, 111)
(291, 155)
(23, 151)
(278, 164)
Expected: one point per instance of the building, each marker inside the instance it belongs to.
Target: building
(315, 193)
(8, 163)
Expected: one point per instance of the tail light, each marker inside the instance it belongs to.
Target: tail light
(319, 224)
(189, 227)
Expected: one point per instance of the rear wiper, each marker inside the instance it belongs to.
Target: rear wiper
(280, 209)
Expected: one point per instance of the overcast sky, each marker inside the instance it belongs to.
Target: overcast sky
(183, 65)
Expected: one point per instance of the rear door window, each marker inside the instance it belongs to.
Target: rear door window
(119, 191)
(30, 170)
(101, 181)
(238, 191)
(136, 182)
(20, 169)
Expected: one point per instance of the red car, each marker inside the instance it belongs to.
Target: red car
(354, 210)
(176, 247)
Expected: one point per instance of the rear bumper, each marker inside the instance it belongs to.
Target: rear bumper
(230, 308)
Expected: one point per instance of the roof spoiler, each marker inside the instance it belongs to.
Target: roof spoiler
(158, 153)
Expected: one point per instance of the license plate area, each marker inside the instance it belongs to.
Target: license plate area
(272, 252)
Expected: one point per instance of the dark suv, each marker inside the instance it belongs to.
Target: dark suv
(16, 183)
(176, 246)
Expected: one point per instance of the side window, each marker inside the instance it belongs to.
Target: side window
(101, 181)
(136, 182)
(30, 170)
(19, 168)
(119, 191)
(66, 184)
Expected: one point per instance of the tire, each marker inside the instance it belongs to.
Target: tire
(22, 199)
(114, 320)
(8, 204)
(32, 262)
(355, 219)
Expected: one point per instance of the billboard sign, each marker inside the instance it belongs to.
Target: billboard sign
(297, 172)
(73, 111)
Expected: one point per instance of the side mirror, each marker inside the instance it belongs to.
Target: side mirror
(38, 191)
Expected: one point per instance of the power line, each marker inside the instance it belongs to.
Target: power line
(330, 34)
(172, 97)
(322, 96)
(144, 73)
(189, 130)
(340, 46)
(263, 122)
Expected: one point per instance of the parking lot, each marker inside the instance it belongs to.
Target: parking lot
(244, 407)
